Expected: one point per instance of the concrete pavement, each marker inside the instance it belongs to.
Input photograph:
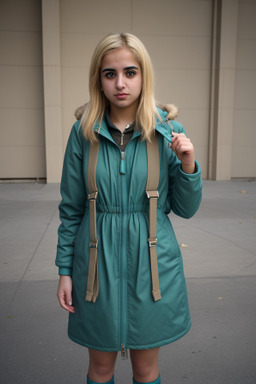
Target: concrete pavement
(219, 253)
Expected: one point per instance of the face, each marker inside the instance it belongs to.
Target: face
(121, 78)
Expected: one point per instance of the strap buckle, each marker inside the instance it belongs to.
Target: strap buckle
(152, 194)
(93, 195)
(152, 242)
(93, 244)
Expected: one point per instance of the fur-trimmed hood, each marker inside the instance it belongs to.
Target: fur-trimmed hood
(171, 109)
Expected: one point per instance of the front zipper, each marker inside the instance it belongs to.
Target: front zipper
(123, 261)
(123, 264)
(123, 239)
(124, 352)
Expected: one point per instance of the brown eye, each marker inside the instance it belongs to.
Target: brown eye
(130, 73)
(110, 75)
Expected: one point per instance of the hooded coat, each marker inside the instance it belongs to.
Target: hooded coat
(125, 313)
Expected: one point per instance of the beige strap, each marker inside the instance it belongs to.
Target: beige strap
(93, 278)
(152, 194)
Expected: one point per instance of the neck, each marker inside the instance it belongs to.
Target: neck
(121, 117)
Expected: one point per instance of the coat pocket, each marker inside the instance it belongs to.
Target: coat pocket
(166, 239)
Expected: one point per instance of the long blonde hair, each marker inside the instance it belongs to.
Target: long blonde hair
(94, 111)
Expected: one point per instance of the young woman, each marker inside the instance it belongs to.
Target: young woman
(124, 289)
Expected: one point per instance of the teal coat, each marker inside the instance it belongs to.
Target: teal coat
(125, 313)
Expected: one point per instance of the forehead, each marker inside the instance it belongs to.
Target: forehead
(119, 57)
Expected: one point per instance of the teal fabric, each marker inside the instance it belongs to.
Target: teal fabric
(125, 312)
(157, 381)
(94, 382)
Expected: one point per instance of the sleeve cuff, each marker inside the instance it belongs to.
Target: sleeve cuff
(196, 172)
(64, 271)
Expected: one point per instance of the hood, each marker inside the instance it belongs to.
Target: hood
(164, 123)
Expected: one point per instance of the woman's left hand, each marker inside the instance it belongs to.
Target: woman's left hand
(184, 150)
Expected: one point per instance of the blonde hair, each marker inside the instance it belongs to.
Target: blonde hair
(94, 111)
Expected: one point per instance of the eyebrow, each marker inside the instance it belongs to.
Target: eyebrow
(114, 70)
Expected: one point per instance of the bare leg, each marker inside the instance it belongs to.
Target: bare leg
(145, 365)
(101, 365)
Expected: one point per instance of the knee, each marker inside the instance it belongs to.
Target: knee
(145, 365)
(102, 369)
(142, 369)
(101, 366)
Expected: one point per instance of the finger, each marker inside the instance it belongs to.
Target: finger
(68, 298)
(68, 302)
(182, 141)
(179, 141)
(68, 308)
(175, 135)
(179, 136)
(184, 147)
(66, 305)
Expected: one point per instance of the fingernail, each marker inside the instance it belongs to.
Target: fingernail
(70, 303)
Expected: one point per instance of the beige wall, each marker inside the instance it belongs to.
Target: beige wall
(209, 73)
(22, 146)
(52, 89)
(244, 134)
(225, 14)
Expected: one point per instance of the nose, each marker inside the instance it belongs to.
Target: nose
(120, 84)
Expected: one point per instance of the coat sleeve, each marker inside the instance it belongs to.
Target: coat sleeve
(72, 205)
(185, 190)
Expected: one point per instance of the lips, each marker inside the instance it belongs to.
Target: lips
(121, 96)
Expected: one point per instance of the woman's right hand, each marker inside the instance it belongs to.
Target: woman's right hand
(64, 293)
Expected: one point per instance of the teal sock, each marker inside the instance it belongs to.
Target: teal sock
(93, 382)
(157, 381)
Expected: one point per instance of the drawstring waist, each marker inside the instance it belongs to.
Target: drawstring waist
(101, 208)
(129, 208)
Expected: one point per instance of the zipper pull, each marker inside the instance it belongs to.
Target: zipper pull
(122, 165)
(122, 139)
(124, 353)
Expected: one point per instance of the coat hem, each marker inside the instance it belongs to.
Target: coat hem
(84, 344)
(131, 346)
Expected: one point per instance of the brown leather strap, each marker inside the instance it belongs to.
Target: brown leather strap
(93, 278)
(152, 194)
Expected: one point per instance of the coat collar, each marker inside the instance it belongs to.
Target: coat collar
(163, 126)
(104, 131)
